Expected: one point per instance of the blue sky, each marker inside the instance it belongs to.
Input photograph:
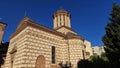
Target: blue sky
(88, 17)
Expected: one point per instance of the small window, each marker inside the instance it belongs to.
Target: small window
(53, 54)
(83, 54)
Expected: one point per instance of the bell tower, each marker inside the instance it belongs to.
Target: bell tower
(2, 28)
(61, 18)
(61, 21)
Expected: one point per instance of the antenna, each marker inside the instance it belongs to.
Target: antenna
(0, 19)
(61, 7)
(25, 14)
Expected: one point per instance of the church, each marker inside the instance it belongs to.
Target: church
(35, 46)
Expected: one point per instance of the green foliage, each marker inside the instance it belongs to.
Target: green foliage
(97, 59)
(1, 60)
(4, 48)
(112, 37)
(3, 51)
(97, 62)
(85, 64)
(104, 58)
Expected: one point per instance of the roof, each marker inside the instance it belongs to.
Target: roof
(75, 37)
(3, 23)
(28, 22)
(66, 28)
(61, 11)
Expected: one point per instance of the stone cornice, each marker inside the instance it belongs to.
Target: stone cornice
(3, 23)
(76, 37)
(40, 27)
(66, 28)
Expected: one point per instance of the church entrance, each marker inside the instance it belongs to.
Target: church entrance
(40, 62)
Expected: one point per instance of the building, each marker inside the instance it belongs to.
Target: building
(88, 49)
(98, 50)
(2, 28)
(3, 46)
(36, 46)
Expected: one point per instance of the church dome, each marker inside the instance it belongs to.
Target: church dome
(61, 18)
(61, 11)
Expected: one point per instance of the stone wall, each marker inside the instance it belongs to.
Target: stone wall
(75, 48)
(31, 43)
(65, 30)
(19, 41)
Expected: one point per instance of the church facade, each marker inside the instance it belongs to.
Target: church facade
(35, 46)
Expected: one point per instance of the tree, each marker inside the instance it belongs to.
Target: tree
(84, 64)
(99, 59)
(111, 39)
(3, 51)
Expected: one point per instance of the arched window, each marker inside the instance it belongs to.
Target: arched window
(53, 54)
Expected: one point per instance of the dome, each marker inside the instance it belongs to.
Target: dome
(61, 11)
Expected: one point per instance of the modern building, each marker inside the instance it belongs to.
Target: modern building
(98, 50)
(35, 46)
(88, 48)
